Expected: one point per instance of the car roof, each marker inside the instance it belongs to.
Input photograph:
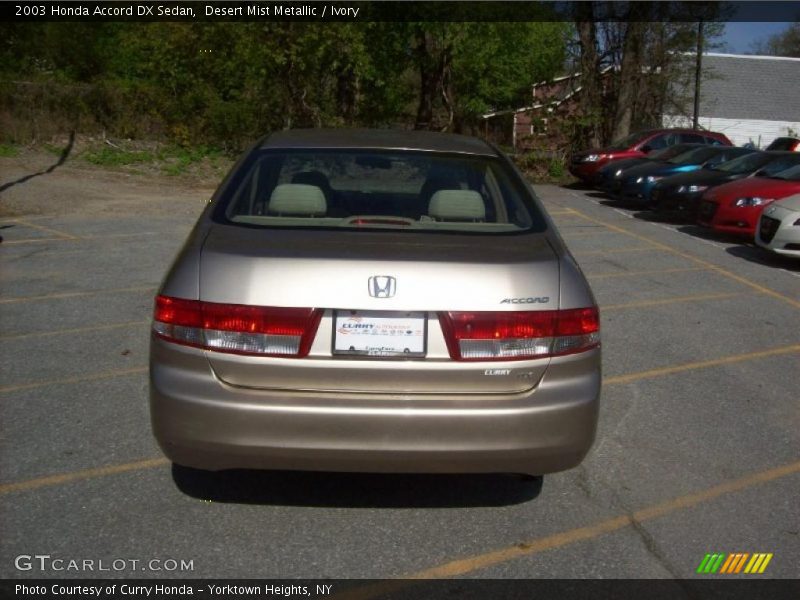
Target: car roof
(383, 139)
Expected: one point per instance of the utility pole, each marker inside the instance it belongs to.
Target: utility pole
(698, 70)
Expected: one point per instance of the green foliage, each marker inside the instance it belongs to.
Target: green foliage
(53, 149)
(556, 168)
(7, 151)
(111, 157)
(543, 166)
(495, 64)
(226, 84)
(172, 160)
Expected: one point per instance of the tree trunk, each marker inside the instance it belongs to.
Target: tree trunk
(630, 75)
(428, 80)
(590, 75)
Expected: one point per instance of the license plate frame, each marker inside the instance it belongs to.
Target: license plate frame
(385, 334)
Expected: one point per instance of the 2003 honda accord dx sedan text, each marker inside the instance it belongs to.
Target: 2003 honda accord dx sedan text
(381, 301)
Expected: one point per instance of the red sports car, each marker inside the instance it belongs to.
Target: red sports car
(584, 165)
(792, 144)
(736, 206)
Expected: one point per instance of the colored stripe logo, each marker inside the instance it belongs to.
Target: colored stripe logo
(738, 562)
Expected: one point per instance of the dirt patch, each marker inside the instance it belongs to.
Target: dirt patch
(33, 183)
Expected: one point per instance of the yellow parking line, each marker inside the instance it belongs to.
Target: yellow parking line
(85, 238)
(32, 484)
(60, 295)
(645, 272)
(471, 564)
(61, 234)
(618, 250)
(33, 241)
(700, 261)
(26, 218)
(100, 472)
(693, 366)
(103, 236)
(676, 299)
(76, 379)
(22, 336)
(586, 233)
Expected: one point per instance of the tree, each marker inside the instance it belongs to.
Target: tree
(589, 135)
(467, 69)
(786, 43)
(635, 63)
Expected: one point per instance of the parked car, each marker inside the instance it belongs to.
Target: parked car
(635, 185)
(362, 300)
(735, 207)
(605, 177)
(682, 193)
(790, 144)
(585, 164)
(779, 227)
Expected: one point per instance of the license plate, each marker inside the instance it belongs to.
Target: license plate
(379, 333)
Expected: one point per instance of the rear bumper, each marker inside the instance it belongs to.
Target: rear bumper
(201, 422)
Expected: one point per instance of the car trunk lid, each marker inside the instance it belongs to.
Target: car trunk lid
(332, 270)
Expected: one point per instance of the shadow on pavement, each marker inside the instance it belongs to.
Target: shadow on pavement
(712, 236)
(61, 160)
(764, 257)
(577, 185)
(663, 217)
(355, 490)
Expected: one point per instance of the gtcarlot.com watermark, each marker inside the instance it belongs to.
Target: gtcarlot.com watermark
(45, 563)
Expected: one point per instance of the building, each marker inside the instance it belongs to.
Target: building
(751, 99)
(554, 99)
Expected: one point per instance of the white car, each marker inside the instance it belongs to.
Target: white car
(779, 227)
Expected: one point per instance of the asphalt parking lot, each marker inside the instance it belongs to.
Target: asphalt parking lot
(698, 448)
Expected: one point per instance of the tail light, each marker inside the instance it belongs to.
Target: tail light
(520, 335)
(236, 328)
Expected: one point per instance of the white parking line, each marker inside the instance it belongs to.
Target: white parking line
(627, 215)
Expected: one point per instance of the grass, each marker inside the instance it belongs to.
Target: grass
(179, 159)
(173, 160)
(7, 151)
(111, 157)
(53, 149)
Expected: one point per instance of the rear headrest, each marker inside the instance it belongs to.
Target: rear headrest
(316, 178)
(297, 199)
(457, 205)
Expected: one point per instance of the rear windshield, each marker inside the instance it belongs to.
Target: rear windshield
(786, 143)
(792, 174)
(744, 164)
(627, 142)
(355, 189)
(781, 163)
(696, 156)
(672, 151)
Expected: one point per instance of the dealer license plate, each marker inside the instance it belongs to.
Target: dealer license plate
(379, 333)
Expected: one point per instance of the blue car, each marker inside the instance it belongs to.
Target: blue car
(638, 182)
(606, 177)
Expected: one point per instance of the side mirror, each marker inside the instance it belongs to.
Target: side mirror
(646, 148)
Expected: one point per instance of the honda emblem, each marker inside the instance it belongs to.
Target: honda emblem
(382, 286)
